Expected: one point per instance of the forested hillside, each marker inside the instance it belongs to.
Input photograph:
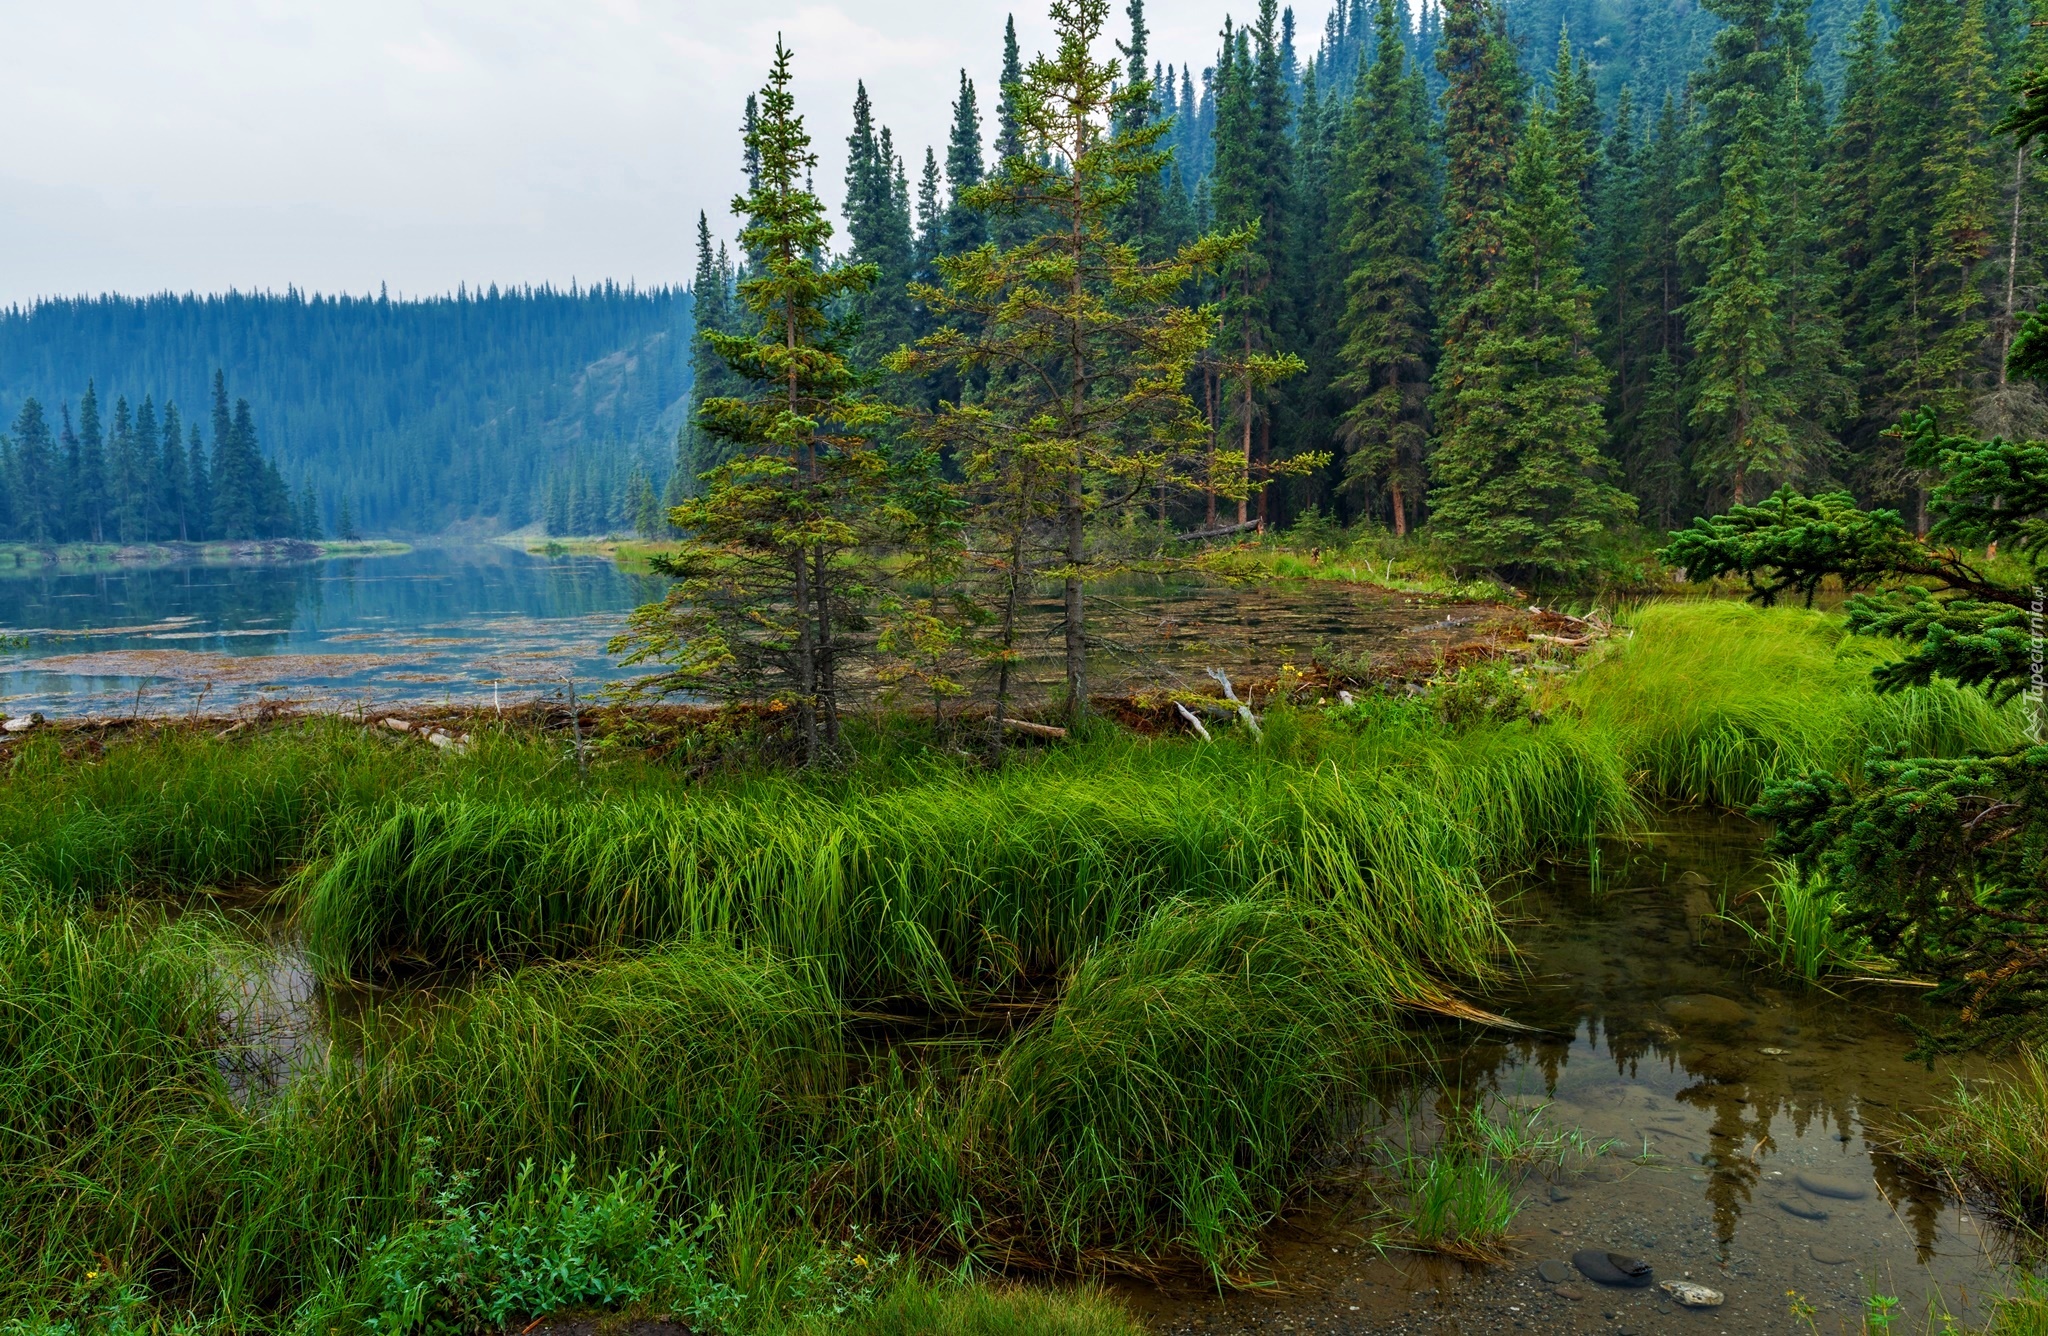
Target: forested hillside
(497, 407)
(1546, 267)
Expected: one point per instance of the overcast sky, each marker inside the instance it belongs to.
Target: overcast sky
(336, 144)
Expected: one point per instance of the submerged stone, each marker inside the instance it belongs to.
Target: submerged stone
(1826, 1256)
(1608, 1268)
(1804, 1209)
(1842, 1189)
(1704, 1011)
(1553, 1271)
(1693, 1296)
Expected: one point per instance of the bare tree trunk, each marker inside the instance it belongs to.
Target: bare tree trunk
(2012, 262)
(1244, 489)
(828, 651)
(1075, 500)
(1209, 488)
(1265, 467)
(807, 661)
(1400, 508)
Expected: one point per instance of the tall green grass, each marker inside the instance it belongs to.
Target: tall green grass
(1164, 1104)
(1992, 1138)
(126, 1144)
(968, 884)
(170, 810)
(1712, 702)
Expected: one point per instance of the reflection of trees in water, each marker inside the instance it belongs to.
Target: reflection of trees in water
(1599, 965)
(227, 597)
(407, 592)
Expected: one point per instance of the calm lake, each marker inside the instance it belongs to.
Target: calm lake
(444, 623)
(451, 624)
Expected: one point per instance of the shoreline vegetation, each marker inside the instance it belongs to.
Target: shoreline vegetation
(620, 1014)
(70, 558)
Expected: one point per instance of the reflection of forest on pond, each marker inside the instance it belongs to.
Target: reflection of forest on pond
(433, 624)
(1749, 1118)
(481, 623)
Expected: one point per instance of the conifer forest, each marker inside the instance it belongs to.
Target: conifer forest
(491, 408)
(1522, 276)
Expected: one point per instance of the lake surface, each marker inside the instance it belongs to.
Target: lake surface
(437, 624)
(1723, 1113)
(474, 624)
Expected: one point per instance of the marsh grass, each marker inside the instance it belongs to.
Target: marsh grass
(1799, 933)
(766, 999)
(1461, 1193)
(1991, 1138)
(1712, 702)
(1163, 1106)
(165, 811)
(968, 884)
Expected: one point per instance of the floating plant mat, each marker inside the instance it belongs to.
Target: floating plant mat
(1750, 1116)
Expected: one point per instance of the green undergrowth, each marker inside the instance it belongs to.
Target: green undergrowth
(1711, 702)
(734, 1042)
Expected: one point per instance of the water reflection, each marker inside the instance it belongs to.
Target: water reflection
(1751, 1119)
(436, 624)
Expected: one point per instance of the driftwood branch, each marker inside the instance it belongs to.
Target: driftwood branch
(1035, 730)
(1193, 722)
(1244, 711)
(1223, 531)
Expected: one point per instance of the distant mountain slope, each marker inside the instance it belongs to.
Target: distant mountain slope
(466, 409)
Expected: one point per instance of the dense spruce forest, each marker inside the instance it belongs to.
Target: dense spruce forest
(492, 408)
(1547, 268)
(135, 477)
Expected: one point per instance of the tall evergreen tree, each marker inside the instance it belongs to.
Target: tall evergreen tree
(879, 228)
(92, 466)
(1388, 216)
(39, 504)
(767, 591)
(966, 227)
(1087, 344)
(1519, 476)
(1481, 97)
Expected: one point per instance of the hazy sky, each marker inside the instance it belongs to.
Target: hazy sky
(336, 144)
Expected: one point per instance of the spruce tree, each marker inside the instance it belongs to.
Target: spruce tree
(1087, 345)
(139, 476)
(1519, 485)
(1142, 219)
(39, 505)
(879, 228)
(1387, 224)
(767, 589)
(1480, 100)
(92, 465)
(966, 227)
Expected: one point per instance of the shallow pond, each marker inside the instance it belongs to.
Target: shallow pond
(1750, 1117)
(478, 623)
(456, 623)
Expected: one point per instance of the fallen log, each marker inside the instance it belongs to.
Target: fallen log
(1035, 730)
(1223, 532)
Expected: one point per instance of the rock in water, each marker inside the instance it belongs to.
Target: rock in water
(1704, 1011)
(1553, 1271)
(1826, 1256)
(1612, 1268)
(1693, 1296)
(1803, 1208)
(1842, 1189)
